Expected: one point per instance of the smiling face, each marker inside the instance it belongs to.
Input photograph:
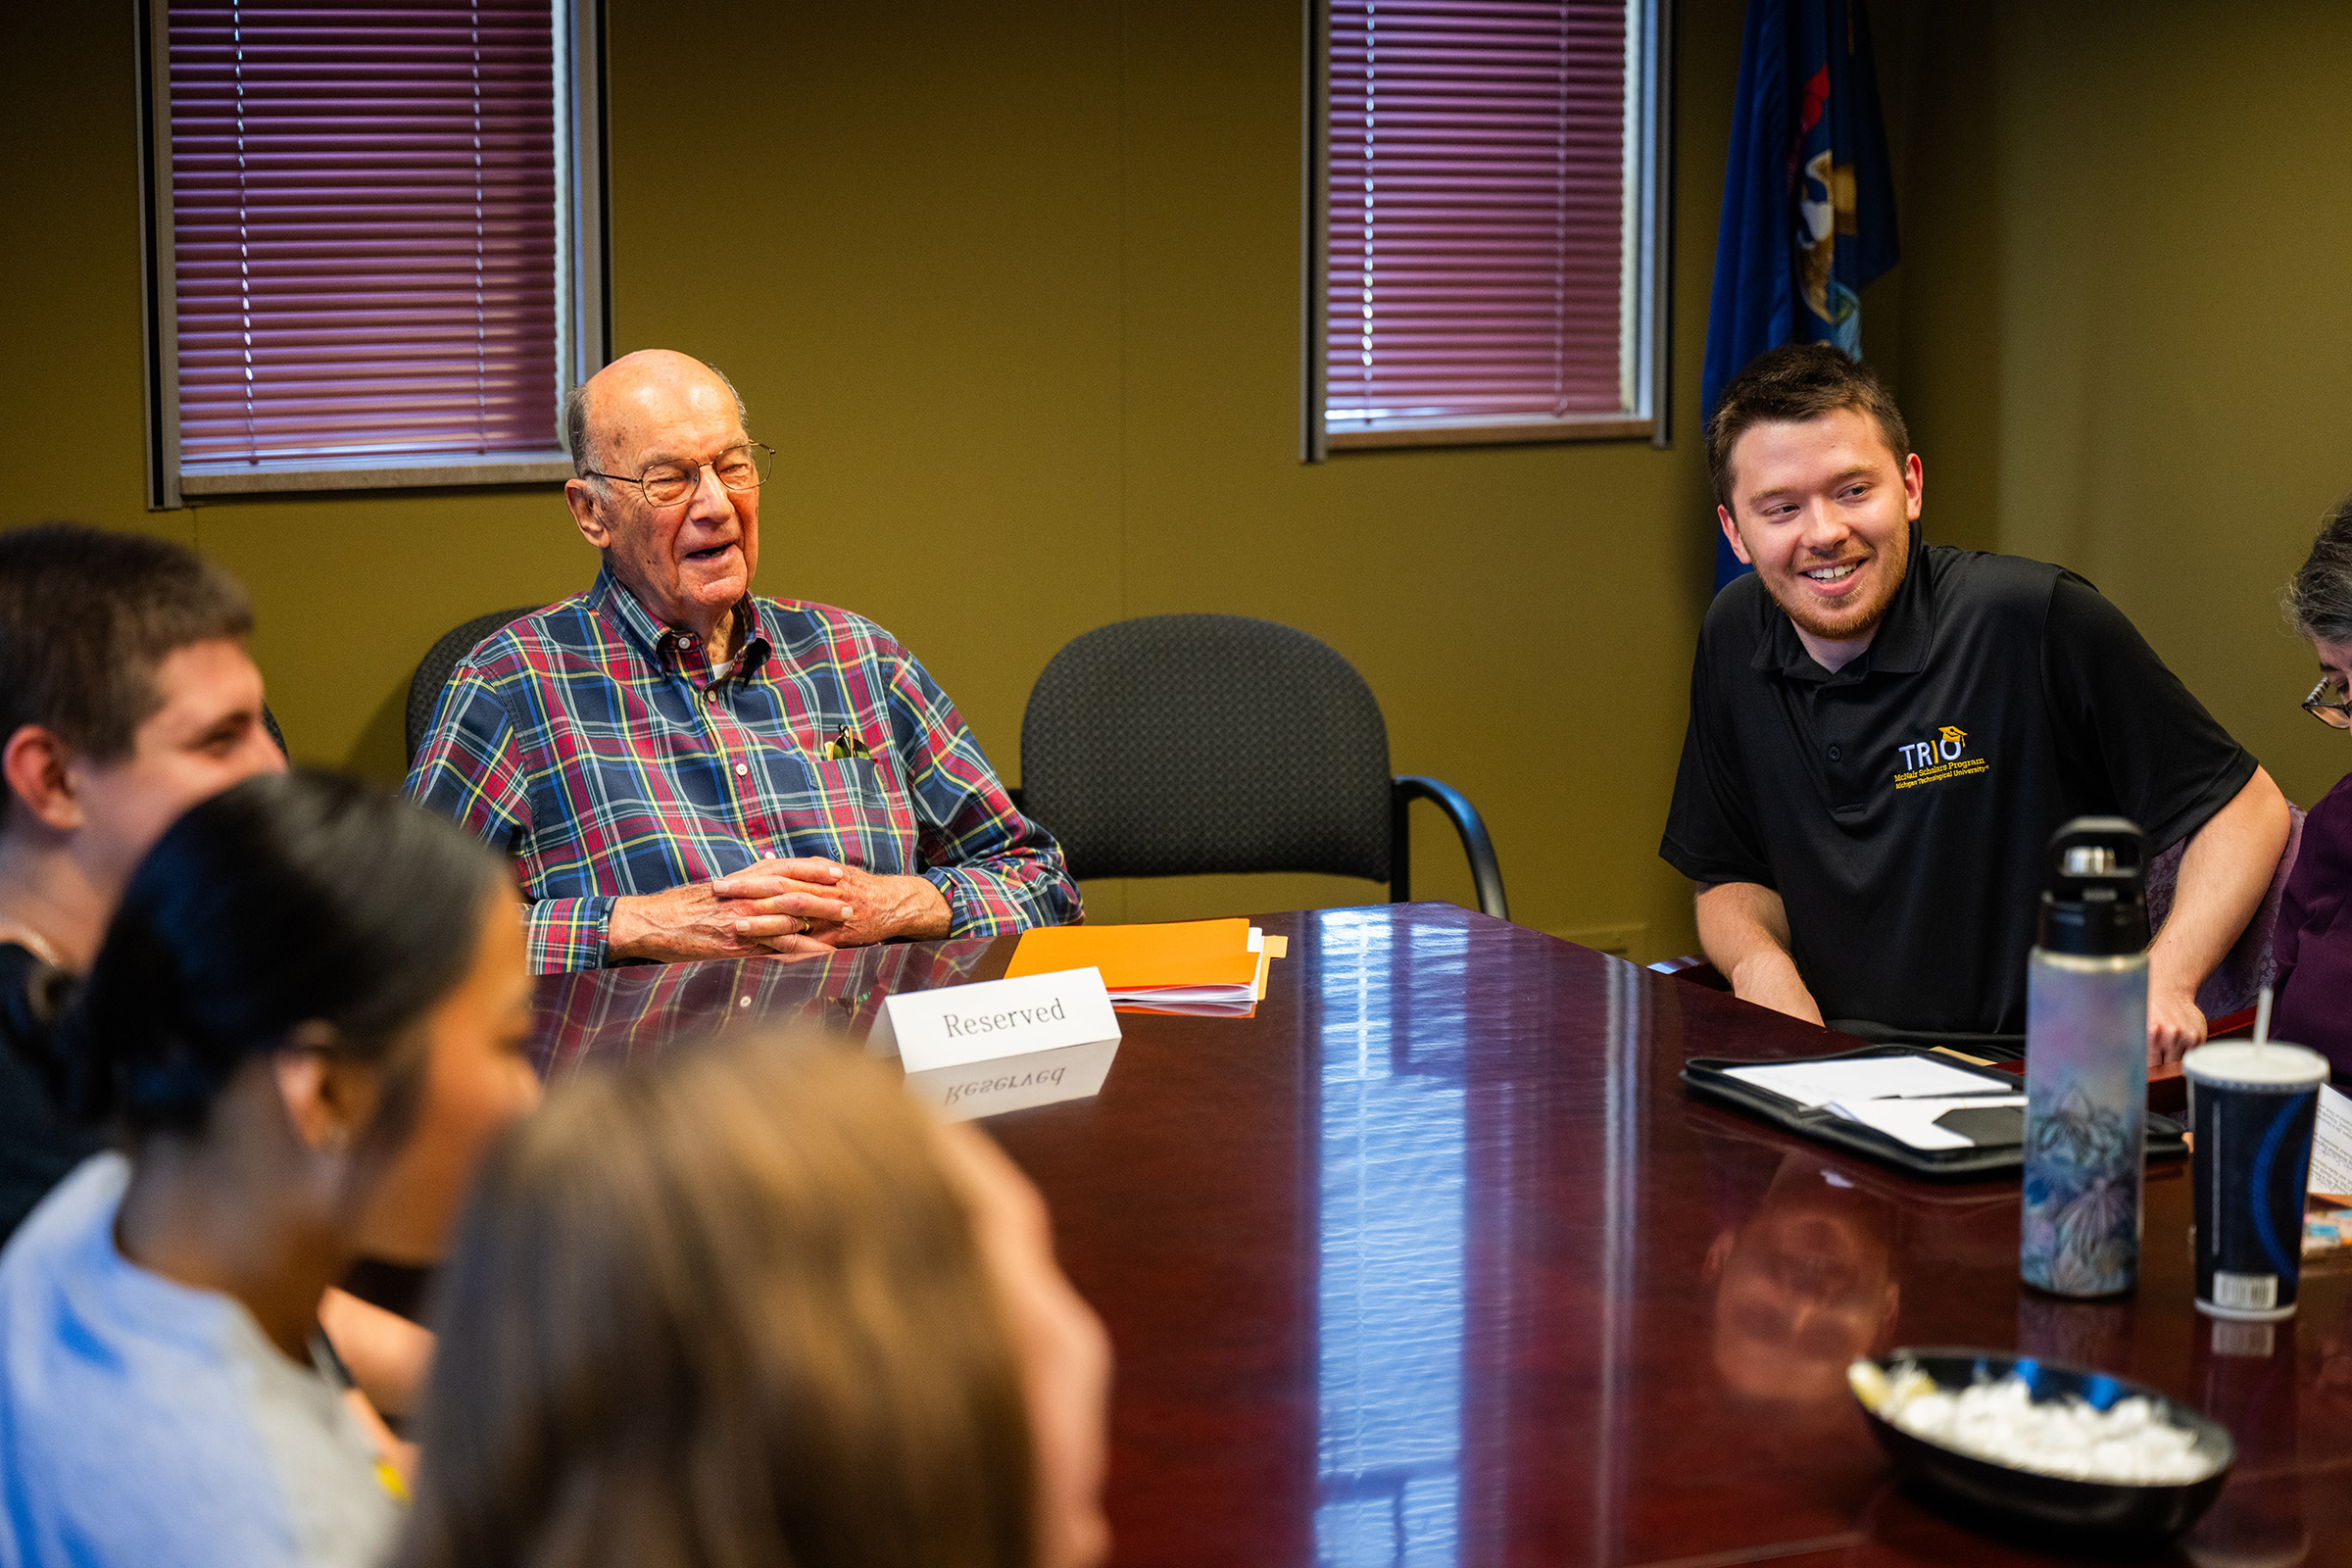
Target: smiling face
(691, 562)
(205, 735)
(1823, 510)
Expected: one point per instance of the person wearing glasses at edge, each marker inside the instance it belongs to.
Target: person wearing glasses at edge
(1884, 734)
(684, 770)
(2313, 947)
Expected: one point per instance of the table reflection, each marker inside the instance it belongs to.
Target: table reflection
(1389, 1289)
(599, 1018)
(2244, 1376)
(1804, 1285)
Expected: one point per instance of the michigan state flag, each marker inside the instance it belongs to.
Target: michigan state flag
(1808, 204)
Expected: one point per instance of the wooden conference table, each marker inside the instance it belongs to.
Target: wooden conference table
(1432, 1262)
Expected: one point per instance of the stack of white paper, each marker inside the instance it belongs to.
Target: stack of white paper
(2332, 1144)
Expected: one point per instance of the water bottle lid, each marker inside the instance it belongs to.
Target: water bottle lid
(2096, 904)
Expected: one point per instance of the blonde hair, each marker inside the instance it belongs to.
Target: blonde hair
(724, 1308)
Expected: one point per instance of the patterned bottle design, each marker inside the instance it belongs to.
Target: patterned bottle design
(2087, 1094)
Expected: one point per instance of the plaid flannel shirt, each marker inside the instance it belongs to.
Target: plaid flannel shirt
(589, 741)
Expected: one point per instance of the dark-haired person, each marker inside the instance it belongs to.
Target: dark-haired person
(305, 1022)
(684, 769)
(126, 697)
(750, 1304)
(1884, 734)
(2313, 944)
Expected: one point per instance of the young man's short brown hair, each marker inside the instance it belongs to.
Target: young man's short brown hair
(86, 617)
(1788, 385)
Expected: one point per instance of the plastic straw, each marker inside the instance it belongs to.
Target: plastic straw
(2262, 1018)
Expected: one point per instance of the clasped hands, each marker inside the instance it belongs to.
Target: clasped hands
(796, 907)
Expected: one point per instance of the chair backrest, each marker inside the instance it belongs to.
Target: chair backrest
(433, 671)
(1179, 744)
(2236, 981)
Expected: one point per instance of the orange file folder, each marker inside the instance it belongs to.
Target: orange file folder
(1136, 957)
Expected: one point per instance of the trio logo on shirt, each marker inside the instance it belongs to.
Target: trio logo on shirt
(1933, 762)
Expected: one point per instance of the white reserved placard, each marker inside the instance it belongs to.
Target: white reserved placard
(1002, 1045)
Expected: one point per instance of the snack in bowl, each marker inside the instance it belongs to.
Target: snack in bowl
(2130, 1442)
(2025, 1441)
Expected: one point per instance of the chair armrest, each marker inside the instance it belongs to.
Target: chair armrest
(1693, 969)
(1406, 788)
(2231, 1026)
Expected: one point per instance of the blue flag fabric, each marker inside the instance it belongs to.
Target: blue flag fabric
(1808, 200)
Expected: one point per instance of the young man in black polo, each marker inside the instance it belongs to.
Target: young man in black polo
(1884, 734)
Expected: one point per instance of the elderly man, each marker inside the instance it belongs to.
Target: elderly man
(684, 770)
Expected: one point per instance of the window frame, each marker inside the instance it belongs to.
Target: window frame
(1648, 262)
(583, 309)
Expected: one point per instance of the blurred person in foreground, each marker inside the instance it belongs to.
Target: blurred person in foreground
(748, 1304)
(1886, 733)
(126, 697)
(2312, 946)
(305, 1022)
(682, 769)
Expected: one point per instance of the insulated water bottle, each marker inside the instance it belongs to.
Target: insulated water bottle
(2086, 1063)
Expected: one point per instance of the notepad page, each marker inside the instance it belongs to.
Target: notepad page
(1817, 1083)
(1913, 1121)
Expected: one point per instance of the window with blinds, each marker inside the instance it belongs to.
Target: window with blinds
(1489, 207)
(371, 231)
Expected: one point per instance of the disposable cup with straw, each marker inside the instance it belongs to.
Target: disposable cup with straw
(2252, 1106)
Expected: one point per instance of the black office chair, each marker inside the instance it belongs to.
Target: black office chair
(1179, 744)
(433, 670)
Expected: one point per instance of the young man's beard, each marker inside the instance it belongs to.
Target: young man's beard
(1849, 624)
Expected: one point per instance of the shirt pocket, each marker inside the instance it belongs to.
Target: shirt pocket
(836, 806)
(847, 777)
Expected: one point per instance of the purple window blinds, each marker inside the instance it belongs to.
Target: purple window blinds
(1477, 210)
(363, 229)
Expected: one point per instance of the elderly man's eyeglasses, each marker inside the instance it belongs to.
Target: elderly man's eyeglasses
(665, 484)
(2328, 703)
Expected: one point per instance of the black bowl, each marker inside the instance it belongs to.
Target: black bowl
(2029, 1497)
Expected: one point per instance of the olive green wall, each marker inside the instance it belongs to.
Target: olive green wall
(2125, 321)
(1015, 289)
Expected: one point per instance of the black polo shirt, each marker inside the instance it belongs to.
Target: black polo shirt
(1903, 807)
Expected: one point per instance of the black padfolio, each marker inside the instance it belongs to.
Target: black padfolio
(1708, 1077)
